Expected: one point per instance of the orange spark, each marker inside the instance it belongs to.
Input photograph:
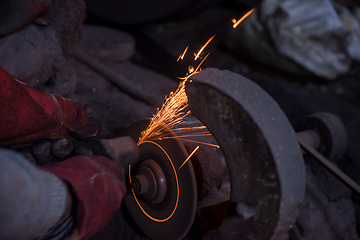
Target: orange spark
(189, 128)
(188, 157)
(236, 23)
(203, 47)
(208, 144)
(189, 135)
(172, 112)
(198, 67)
(181, 56)
(190, 69)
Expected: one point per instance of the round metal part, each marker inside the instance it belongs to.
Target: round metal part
(161, 217)
(331, 130)
(266, 168)
(310, 137)
(140, 184)
(150, 182)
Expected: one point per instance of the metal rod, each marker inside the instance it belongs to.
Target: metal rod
(114, 77)
(330, 166)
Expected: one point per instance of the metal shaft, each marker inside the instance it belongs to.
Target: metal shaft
(331, 167)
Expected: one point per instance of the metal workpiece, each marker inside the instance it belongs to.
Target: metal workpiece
(264, 159)
(122, 150)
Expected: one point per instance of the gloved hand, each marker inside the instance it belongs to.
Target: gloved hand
(28, 115)
(97, 183)
(85, 190)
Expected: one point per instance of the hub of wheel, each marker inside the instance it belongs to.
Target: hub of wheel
(150, 182)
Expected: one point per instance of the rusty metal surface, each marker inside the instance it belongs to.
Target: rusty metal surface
(264, 159)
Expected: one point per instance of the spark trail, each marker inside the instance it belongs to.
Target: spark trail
(236, 23)
(174, 109)
(188, 157)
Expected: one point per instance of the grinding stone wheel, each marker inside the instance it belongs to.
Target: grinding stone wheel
(267, 173)
(173, 216)
(332, 133)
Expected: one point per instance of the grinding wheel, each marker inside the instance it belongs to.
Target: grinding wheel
(266, 168)
(161, 198)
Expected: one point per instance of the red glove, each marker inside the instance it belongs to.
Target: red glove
(97, 184)
(27, 114)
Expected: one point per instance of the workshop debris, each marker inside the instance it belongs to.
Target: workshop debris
(319, 36)
(326, 201)
(115, 108)
(48, 63)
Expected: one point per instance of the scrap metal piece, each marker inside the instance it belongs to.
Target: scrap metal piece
(264, 159)
(172, 217)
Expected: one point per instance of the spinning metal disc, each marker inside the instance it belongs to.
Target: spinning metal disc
(163, 207)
